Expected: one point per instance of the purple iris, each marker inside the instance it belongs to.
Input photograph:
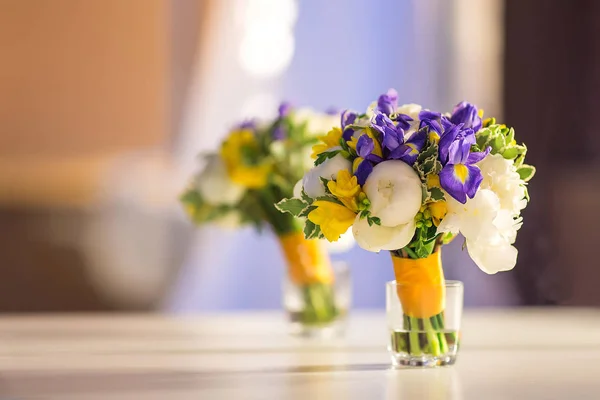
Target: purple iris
(459, 176)
(393, 139)
(364, 148)
(284, 109)
(409, 151)
(387, 103)
(466, 114)
(347, 118)
(247, 124)
(432, 120)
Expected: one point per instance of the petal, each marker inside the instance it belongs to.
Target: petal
(458, 152)
(460, 181)
(364, 146)
(476, 157)
(363, 171)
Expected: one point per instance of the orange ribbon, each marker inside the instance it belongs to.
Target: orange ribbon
(420, 285)
(306, 258)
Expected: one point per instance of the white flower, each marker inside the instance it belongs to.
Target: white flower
(493, 255)
(412, 110)
(214, 184)
(316, 123)
(489, 230)
(329, 169)
(500, 175)
(376, 238)
(394, 190)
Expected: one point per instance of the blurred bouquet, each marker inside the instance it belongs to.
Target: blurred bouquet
(408, 180)
(256, 166)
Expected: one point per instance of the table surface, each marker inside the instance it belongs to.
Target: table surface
(505, 354)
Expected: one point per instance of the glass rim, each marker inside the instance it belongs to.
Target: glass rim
(449, 283)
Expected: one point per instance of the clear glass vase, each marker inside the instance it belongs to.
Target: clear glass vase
(420, 337)
(319, 309)
(316, 293)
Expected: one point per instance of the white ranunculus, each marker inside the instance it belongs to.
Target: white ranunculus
(329, 169)
(394, 190)
(298, 189)
(376, 238)
(316, 123)
(493, 255)
(214, 184)
(500, 175)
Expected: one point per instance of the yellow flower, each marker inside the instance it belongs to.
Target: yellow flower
(433, 181)
(330, 140)
(438, 211)
(333, 218)
(434, 137)
(346, 185)
(480, 113)
(232, 153)
(346, 189)
(352, 143)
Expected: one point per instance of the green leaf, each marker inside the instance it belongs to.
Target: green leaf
(309, 229)
(436, 194)
(293, 206)
(306, 198)
(306, 211)
(510, 136)
(329, 198)
(430, 152)
(497, 143)
(526, 172)
(510, 153)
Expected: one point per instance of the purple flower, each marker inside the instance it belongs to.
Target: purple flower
(393, 136)
(332, 111)
(403, 121)
(365, 147)
(279, 132)
(459, 176)
(247, 124)
(284, 109)
(466, 114)
(409, 151)
(431, 120)
(387, 103)
(347, 118)
(363, 171)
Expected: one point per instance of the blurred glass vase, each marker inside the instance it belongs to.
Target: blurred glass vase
(316, 294)
(423, 313)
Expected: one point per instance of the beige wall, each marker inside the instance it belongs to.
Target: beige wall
(82, 76)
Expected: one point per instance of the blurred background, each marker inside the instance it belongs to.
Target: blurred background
(105, 104)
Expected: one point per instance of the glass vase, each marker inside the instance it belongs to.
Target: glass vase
(316, 293)
(423, 313)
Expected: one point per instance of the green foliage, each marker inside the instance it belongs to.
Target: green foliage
(526, 172)
(326, 155)
(293, 206)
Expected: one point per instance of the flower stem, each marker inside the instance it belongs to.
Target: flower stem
(413, 336)
(432, 337)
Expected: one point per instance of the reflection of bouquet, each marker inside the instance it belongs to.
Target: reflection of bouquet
(408, 180)
(256, 166)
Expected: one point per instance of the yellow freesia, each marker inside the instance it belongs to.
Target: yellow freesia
(438, 211)
(346, 189)
(352, 143)
(232, 150)
(334, 219)
(346, 185)
(330, 140)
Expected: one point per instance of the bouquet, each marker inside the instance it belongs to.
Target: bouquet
(256, 166)
(408, 180)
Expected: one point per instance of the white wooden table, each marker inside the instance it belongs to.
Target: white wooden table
(505, 354)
